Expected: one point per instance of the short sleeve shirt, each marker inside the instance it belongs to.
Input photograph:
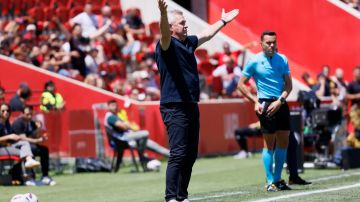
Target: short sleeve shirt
(179, 77)
(268, 74)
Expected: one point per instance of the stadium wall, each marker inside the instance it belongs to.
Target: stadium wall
(311, 33)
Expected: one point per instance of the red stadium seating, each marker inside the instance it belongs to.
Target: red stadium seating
(63, 14)
(98, 3)
(28, 4)
(217, 85)
(206, 68)
(75, 3)
(16, 7)
(202, 54)
(37, 13)
(49, 12)
(116, 12)
(45, 3)
(61, 3)
(4, 6)
(76, 10)
(112, 2)
(154, 28)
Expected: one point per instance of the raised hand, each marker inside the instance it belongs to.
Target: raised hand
(162, 6)
(227, 17)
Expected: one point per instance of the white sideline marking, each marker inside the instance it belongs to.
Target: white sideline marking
(335, 177)
(308, 193)
(219, 195)
(225, 194)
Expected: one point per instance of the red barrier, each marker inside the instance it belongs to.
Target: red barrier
(311, 33)
(76, 132)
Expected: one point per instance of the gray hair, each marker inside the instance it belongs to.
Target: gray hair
(172, 15)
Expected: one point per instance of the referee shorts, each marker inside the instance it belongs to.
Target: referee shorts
(279, 121)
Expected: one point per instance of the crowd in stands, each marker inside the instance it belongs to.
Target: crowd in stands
(104, 46)
(355, 4)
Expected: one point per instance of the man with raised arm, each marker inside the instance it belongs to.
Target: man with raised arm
(180, 94)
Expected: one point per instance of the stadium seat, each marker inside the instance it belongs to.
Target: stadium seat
(4, 7)
(154, 28)
(49, 12)
(206, 68)
(75, 3)
(16, 7)
(37, 13)
(96, 9)
(60, 3)
(217, 85)
(112, 3)
(45, 3)
(116, 13)
(6, 164)
(76, 10)
(202, 54)
(98, 3)
(63, 14)
(119, 68)
(28, 4)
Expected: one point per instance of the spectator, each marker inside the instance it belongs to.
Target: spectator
(18, 102)
(310, 82)
(322, 88)
(13, 144)
(229, 73)
(50, 99)
(78, 46)
(90, 61)
(338, 78)
(87, 21)
(116, 121)
(234, 54)
(133, 23)
(241, 135)
(30, 131)
(94, 80)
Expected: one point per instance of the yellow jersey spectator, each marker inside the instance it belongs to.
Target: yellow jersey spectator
(50, 99)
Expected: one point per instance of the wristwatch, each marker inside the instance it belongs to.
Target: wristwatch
(282, 100)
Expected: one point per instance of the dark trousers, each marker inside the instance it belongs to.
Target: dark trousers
(241, 135)
(43, 153)
(182, 123)
(292, 158)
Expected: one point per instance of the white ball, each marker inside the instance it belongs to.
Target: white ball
(28, 197)
(19, 198)
(31, 197)
(154, 165)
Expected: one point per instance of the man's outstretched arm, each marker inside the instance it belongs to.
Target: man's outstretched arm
(165, 37)
(208, 33)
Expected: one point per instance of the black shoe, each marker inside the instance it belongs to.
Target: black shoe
(298, 180)
(281, 185)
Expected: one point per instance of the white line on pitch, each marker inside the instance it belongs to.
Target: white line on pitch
(225, 194)
(219, 195)
(308, 193)
(335, 177)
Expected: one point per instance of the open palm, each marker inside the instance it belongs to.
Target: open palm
(229, 16)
